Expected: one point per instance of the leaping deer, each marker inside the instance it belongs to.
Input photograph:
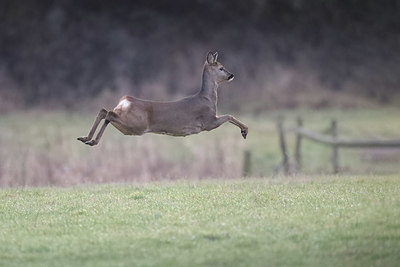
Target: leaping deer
(189, 115)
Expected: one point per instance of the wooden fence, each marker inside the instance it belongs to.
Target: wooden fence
(330, 140)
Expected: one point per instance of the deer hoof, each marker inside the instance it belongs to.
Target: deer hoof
(83, 139)
(244, 133)
(91, 142)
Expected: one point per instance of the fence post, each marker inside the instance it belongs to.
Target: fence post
(298, 145)
(335, 156)
(246, 171)
(282, 142)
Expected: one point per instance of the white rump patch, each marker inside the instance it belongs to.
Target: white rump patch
(124, 104)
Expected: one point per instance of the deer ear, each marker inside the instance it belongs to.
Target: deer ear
(215, 55)
(210, 58)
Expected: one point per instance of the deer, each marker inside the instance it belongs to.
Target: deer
(187, 116)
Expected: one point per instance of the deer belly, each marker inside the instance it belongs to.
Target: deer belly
(175, 123)
(188, 130)
(177, 130)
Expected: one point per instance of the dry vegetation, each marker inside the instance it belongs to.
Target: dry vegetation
(40, 148)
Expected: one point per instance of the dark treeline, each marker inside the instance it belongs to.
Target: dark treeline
(281, 50)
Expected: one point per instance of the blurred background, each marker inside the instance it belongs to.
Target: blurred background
(61, 61)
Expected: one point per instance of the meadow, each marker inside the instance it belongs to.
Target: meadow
(39, 148)
(309, 221)
(165, 201)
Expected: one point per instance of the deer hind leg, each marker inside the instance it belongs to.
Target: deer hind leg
(102, 114)
(225, 118)
(110, 117)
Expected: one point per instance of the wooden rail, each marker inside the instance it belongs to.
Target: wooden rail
(345, 142)
(331, 140)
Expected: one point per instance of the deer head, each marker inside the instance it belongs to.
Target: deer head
(215, 69)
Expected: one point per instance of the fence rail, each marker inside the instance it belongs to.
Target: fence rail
(330, 140)
(345, 142)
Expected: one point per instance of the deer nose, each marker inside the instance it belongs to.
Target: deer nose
(230, 78)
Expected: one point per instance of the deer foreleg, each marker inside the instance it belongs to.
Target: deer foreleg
(225, 118)
(243, 127)
(102, 114)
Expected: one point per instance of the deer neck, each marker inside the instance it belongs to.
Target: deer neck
(209, 88)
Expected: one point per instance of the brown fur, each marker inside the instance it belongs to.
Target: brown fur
(190, 115)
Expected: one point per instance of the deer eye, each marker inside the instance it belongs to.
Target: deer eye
(221, 69)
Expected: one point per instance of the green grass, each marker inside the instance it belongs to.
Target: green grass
(328, 221)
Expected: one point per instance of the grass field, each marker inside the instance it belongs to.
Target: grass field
(196, 217)
(40, 148)
(325, 221)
